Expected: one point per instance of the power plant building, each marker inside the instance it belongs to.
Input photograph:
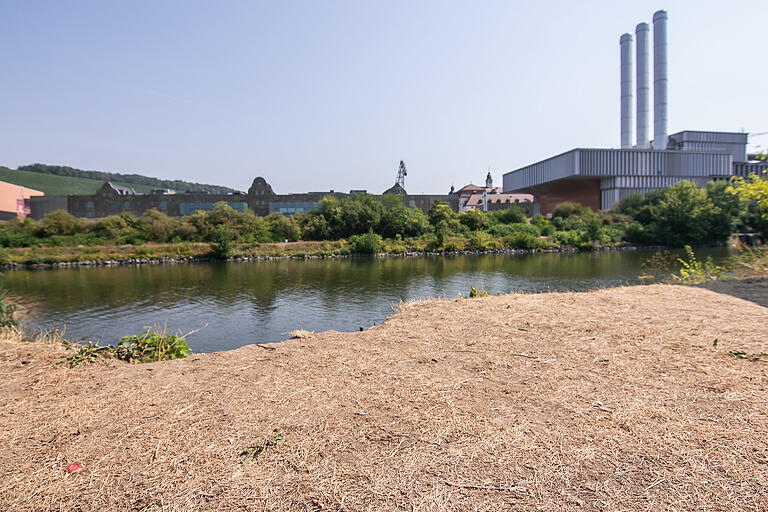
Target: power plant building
(599, 178)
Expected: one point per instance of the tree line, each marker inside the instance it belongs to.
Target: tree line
(679, 215)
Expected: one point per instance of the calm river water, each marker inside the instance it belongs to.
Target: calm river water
(258, 302)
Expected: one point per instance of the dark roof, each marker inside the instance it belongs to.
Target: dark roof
(396, 189)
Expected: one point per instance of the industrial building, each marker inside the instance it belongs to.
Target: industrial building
(599, 178)
(111, 199)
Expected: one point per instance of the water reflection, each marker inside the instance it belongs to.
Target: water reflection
(259, 302)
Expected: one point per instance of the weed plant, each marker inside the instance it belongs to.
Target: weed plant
(150, 346)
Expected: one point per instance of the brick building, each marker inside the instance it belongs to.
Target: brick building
(111, 199)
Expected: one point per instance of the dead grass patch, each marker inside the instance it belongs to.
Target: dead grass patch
(615, 399)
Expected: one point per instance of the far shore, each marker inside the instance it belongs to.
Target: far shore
(184, 253)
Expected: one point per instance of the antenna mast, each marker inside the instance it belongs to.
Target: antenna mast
(401, 174)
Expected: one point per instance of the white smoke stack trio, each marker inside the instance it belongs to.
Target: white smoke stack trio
(642, 75)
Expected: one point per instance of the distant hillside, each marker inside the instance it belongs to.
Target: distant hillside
(61, 180)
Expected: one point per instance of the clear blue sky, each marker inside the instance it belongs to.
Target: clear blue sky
(318, 95)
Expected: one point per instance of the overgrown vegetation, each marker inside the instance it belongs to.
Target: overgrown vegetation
(677, 216)
(694, 271)
(152, 345)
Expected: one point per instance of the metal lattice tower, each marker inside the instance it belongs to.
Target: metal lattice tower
(401, 174)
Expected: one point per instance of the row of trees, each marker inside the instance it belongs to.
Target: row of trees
(334, 219)
(679, 215)
(686, 215)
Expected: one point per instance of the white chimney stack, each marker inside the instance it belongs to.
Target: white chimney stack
(643, 86)
(626, 90)
(660, 80)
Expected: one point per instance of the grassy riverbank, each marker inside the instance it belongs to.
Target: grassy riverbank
(184, 250)
(677, 216)
(631, 398)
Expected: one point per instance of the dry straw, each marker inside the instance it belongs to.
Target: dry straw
(615, 399)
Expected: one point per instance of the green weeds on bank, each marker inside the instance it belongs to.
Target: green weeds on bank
(663, 266)
(150, 346)
(693, 271)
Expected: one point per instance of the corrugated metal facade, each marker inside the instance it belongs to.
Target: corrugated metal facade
(625, 171)
(724, 142)
(744, 169)
(555, 168)
(620, 162)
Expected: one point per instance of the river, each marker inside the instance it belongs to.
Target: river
(236, 304)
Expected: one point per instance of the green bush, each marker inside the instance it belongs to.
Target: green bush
(453, 245)
(511, 215)
(565, 210)
(59, 222)
(686, 216)
(575, 238)
(481, 241)
(222, 245)
(9, 238)
(132, 238)
(369, 243)
(474, 220)
(693, 271)
(523, 240)
(402, 221)
(151, 346)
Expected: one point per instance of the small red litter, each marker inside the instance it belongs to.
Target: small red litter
(74, 467)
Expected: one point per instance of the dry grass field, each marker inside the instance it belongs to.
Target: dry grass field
(616, 399)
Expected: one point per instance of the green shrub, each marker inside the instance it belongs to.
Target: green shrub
(547, 229)
(481, 241)
(132, 238)
(151, 346)
(575, 238)
(59, 222)
(523, 240)
(369, 243)
(565, 210)
(9, 238)
(453, 245)
(694, 271)
(511, 215)
(539, 220)
(474, 220)
(222, 245)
